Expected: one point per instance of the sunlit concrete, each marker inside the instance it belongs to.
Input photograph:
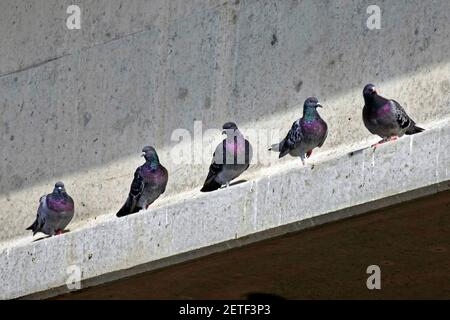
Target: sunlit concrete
(281, 200)
(78, 105)
(326, 262)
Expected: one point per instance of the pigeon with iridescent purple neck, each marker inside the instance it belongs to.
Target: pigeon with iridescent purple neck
(386, 117)
(150, 181)
(55, 212)
(230, 159)
(306, 133)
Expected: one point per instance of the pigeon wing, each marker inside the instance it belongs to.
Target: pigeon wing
(166, 179)
(136, 189)
(39, 222)
(324, 136)
(402, 118)
(292, 140)
(215, 168)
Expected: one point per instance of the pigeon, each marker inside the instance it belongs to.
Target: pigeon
(230, 159)
(386, 117)
(306, 133)
(55, 212)
(150, 181)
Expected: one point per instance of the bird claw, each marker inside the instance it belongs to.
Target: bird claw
(375, 145)
(393, 138)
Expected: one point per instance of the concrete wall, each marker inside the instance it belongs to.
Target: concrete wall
(281, 201)
(78, 105)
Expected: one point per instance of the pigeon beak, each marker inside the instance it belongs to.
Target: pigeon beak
(224, 132)
(143, 155)
(319, 105)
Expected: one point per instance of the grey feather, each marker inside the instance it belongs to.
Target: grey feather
(306, 133)
(228, 163)
(51, 218)
(386, 117)
(149, 183)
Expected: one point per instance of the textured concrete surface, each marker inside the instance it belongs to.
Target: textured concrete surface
(78, 105)
(283, 199)
(300, 266)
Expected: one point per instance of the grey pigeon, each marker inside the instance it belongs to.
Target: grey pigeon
(55, 212)
(306, 133)
(386, 117)
(150, 181)
(230, 159)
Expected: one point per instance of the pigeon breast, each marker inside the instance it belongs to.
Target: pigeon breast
(59, 204)
(152, 175)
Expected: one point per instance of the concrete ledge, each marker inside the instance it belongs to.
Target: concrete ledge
(84, 102)
(280, 200)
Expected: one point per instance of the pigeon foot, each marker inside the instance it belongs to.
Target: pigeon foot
(393, 138)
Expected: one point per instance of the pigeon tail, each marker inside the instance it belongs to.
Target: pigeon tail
(210, 186)
(127, 209)
(413, 130)
(275, 147)
(284, 152)
(34, 227)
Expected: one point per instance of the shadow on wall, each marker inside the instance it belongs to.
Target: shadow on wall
(239, 62)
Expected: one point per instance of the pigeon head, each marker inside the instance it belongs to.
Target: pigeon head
(149, 153)
(312, 102)
(59, 188)
(229, 127)
(369, 91)
(310, 108)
